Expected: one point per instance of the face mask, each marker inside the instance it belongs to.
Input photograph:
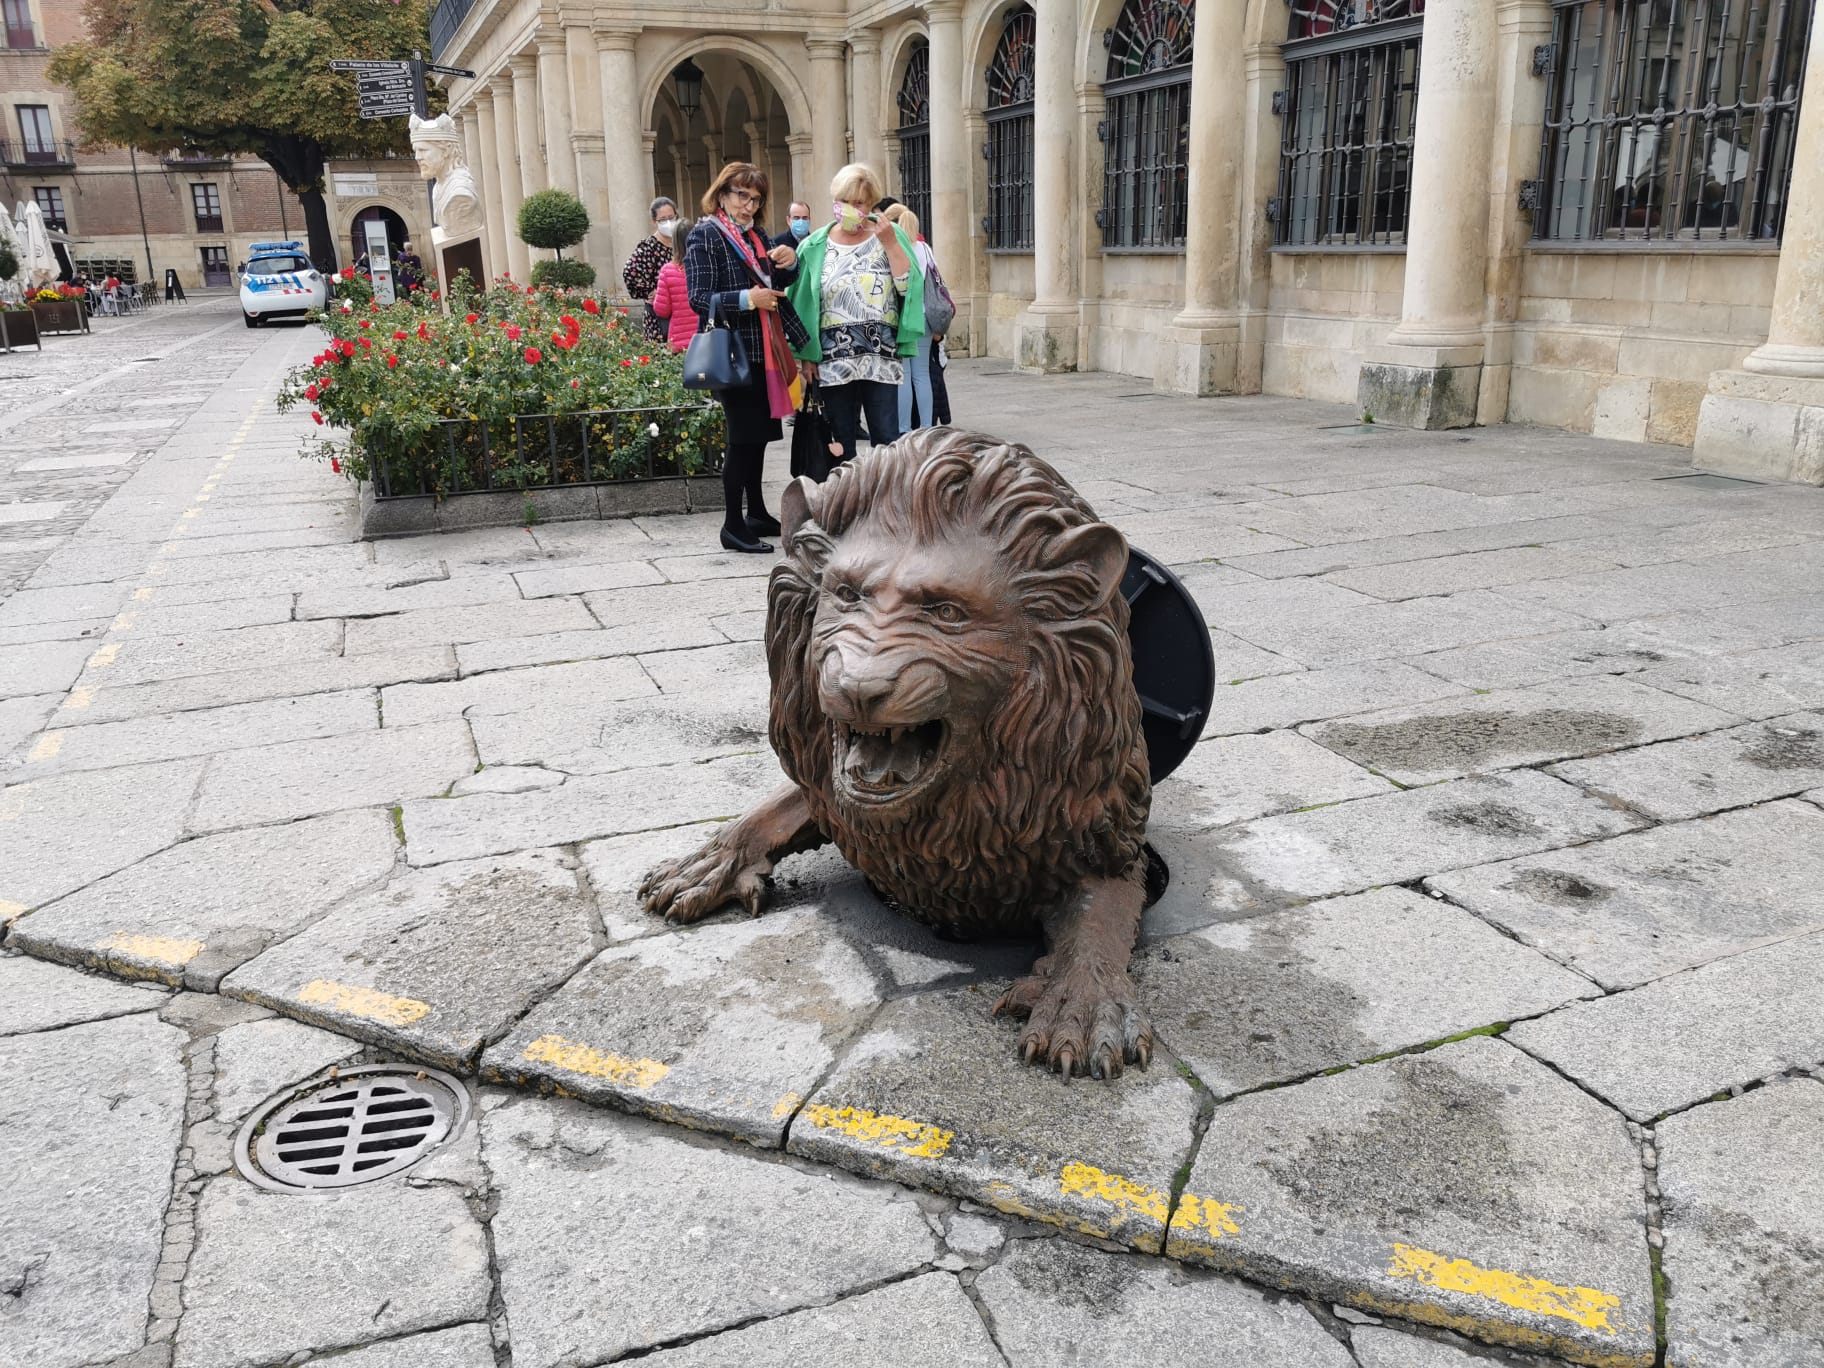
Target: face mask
(848, 217)
(667, 227)
(801, 227)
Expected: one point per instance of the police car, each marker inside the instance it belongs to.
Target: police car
(280, 282)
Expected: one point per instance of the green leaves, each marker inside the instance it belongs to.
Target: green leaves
(552, 219)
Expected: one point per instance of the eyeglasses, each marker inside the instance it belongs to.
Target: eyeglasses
(749, 196)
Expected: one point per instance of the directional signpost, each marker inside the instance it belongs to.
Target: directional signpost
(394, 89)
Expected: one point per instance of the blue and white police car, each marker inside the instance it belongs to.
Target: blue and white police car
(279, 282)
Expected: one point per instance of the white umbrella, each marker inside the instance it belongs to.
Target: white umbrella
(41, 266)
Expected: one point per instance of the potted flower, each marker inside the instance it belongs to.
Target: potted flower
(59, 309)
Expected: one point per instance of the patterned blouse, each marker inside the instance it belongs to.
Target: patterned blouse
(860, 323)
(641, 274)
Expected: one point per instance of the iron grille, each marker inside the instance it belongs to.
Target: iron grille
(1346, 138)
(915, 135)
(1671, 120)
(1009, 147)
(1146, 147)
(445, 20)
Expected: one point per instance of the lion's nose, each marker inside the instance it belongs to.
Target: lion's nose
(884, 690)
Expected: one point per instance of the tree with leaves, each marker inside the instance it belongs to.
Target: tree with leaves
(250, 77)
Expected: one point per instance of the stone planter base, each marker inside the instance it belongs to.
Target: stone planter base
(416, 514)
(67, 316)
(18, 329)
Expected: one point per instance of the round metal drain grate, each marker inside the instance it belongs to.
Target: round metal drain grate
(360, 1125)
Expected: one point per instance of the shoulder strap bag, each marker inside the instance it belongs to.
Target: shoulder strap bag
(716, 358)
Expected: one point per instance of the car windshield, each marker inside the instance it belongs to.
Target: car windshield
(277, 265)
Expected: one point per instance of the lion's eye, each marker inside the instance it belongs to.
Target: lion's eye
(846, 595)
(946, 612)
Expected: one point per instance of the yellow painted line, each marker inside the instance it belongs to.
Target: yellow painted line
(1207, 1219)
(786, 1105)
(364, 1002)
(164, 949)
(79, 698)
(1085, 1180)
(46, 749)
(9, 910)
(1585, 1306)
(575, 1057)
(143, 593)
(189, 512)
(104, 656)
(889, 1132)
(203, 497)
(123, 622)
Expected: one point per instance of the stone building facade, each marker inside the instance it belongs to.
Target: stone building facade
(1604, 215)
(195, 215)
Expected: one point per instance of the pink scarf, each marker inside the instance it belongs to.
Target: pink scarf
(784, 389)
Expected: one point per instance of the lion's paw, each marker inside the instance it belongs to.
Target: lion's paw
(692, 886)
(1078, 1022)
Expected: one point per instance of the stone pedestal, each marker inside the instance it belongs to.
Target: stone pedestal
(1422, 387)
(1045, 338)
(1199, 354)
(1766, 427)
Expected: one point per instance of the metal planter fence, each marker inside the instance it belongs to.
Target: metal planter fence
(550, 451)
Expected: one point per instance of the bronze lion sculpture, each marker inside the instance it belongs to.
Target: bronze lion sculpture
(953, 700)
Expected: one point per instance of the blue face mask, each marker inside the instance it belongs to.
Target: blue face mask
(801, 227)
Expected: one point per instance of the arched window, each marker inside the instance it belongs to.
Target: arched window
(1352, 87)
(915, 134)
(1146, 136)
(1009, 150)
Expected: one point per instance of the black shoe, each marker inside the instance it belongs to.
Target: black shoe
(730, 542)
(763, 525)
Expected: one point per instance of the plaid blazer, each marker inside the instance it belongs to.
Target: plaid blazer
(715, 275)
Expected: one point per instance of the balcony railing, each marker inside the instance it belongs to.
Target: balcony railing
(18, 154)
(208, 223)
(445, 20)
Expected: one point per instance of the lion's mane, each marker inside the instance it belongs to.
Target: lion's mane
(1065, 791)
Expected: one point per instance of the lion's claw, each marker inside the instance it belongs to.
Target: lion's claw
(1078, 1023)
(689, 888)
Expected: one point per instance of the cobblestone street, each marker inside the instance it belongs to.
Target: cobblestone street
(1486, 981)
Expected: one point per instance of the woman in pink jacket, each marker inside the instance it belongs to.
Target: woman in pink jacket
(671, 296)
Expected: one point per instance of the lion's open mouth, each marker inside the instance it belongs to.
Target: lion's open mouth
(886, 764)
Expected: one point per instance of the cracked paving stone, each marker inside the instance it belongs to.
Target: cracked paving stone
(1651, 903)
(35, 996)
(590, 735)
(1253, 705)
(682, 1238)
(1383, 1348)
(192, 914)
(1744, 1254)
(1682, 1039)
(924, 1322)
(1402, 836)
(274, 1274)
(1278, 997)
(933, 1094)
(260, 1059)
(90, 1121)
(435, 962)
(1424, 744)
(1237, 778)
(1054, 1302)
(461, 1346)
(1468, 1187)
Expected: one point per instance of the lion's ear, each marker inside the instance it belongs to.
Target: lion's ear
(804, 540)
(1091, 559)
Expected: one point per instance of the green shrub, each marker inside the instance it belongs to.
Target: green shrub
(9, 264)
(554, 220)
(564, 275)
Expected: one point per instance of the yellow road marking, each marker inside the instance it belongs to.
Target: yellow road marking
(79, 698)
(164, 949)
(9, 910)
(143, 593)
(46, 749)
(576, 1057)
(889, 1132)
(1585, 1306)
(104, 656)
(786, 1105)
(123, 622)
(1210, 1220)
(364, 1002)
(1085, 1180)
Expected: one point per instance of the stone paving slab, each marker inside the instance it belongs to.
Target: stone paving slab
(1381, 1347)
(396, 595)
(1632, 648)
(707, 668)
(42, 667)
(1702, 774)
(1758, 684)
(553, 648)
(503, 692)
(1403, 836)
(190, 914)
(1468, 1187)
(1281, 997)
(1681, 1039)
(1651, 903)
(89, 1123)
(934, 1095)
(1236, 778)
(681, 1239)
(20, 720)
(256, 1060)
(461, 1346)
(599, 736)
(437, 961)
(1470, 570)
(35, 996)
(1742, 1238)
(275, 1275)
(1288, 699)
(202, 653)
(1424, 744)
(474, 622)
(1055, 1302)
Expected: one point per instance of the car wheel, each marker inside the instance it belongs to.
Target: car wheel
(251, 320)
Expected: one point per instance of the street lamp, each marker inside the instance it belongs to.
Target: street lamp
(687, 86)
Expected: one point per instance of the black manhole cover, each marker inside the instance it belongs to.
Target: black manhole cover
(360, 1125)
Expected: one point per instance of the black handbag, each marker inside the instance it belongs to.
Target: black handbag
(716, 358)
(812, 440)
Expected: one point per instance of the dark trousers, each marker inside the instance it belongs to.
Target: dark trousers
(845, 405)
(940, 395)
(741, 468)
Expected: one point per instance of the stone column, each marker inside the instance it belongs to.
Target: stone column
(586, 145)
(864, 103)
(525, 127)
(1046, 331)
(1200, 352)
(1428, 373)
(829, 111)
(803, 181)
(949, 159)
(478, 143)
(515, 257)
(1767, 419)
(760, 153)
(554, 92)
(622, 122)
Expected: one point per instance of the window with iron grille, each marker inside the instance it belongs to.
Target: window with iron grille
(1146, 134)
(1345, 158)
(1670, 120)
(207, 201)
(1009, 149)
(915, 135)
(19, 32)
(35, 132)
(50, 204)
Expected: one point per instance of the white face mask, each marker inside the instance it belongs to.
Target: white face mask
(667, 227)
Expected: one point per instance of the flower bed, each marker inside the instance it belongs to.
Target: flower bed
(59, 309)
(514, 392)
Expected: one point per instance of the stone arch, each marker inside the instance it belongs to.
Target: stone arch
(896, 51)
(384, 207)
(1265, 23)
(761, 58)
(978, 51)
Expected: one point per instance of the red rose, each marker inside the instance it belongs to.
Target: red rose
(644, 360)
(392, 362)
(335, 466)
(534, 356)
(471, 318)
(366, 345)
(348, 273)
(626, 360)
(424, 332)
(574, 383)
(513, 332)
(590, 306)
(373, 306)
(399, 336)
(316, 418)
(367, 322)
(570, 323)
(311, 391)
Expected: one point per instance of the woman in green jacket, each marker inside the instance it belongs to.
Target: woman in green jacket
(861, 296)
